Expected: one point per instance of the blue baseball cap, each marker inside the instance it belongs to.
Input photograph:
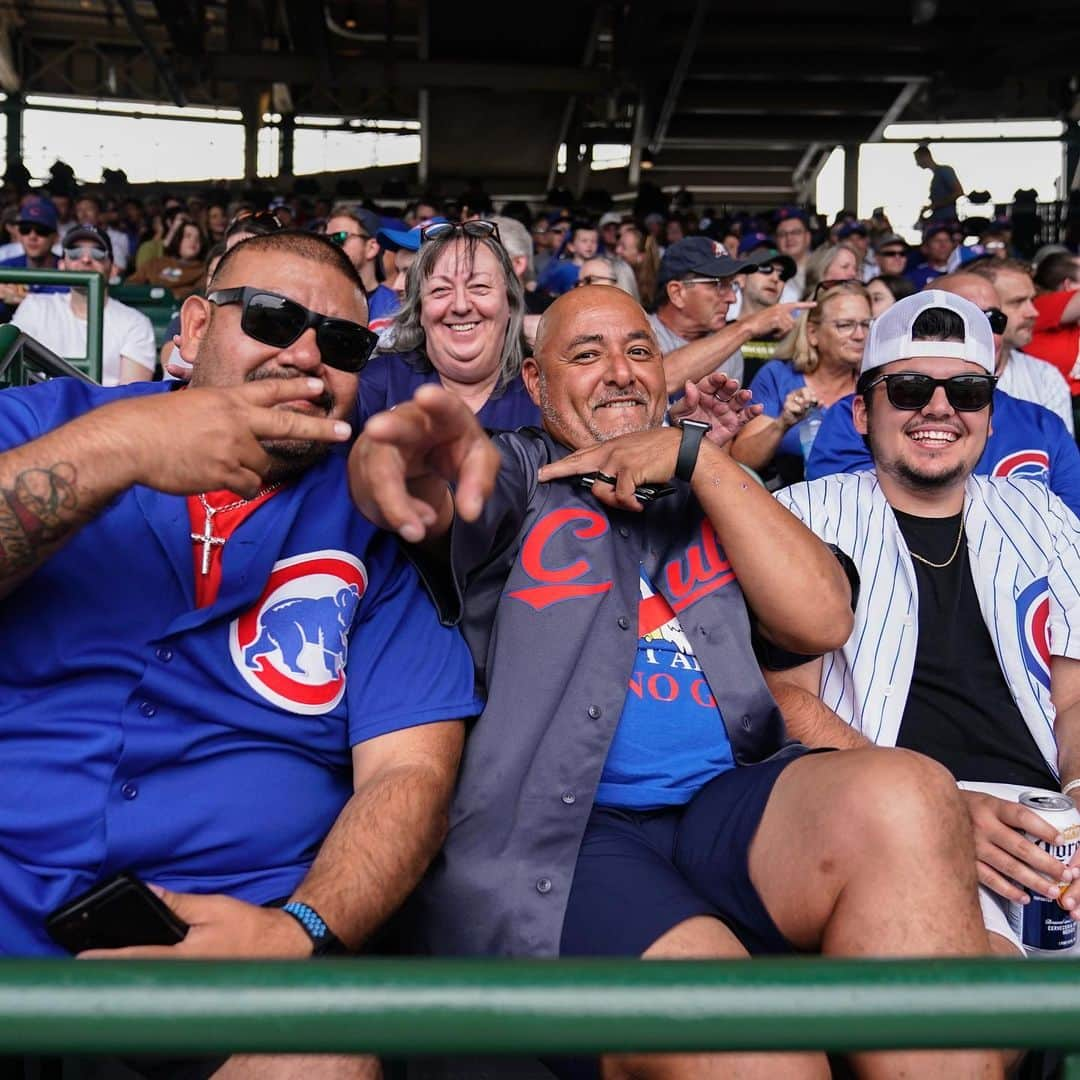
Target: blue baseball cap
(851, 228)
(699, 255)
(787, 213)
(404, 239)
(37, 210)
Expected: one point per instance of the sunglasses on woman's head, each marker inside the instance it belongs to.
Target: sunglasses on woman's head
(278, 321)
(260, 217)
(833, 283)
(478, 230)
(911, 391)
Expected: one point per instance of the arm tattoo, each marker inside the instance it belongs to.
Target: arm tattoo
(40, 508)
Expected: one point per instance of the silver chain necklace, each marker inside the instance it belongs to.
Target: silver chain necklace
(207, 538)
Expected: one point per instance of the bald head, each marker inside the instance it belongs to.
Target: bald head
(979, 290)
(597, 371)
(570, 308)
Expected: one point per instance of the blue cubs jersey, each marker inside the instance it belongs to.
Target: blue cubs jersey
(207, 749)
(1025, 440)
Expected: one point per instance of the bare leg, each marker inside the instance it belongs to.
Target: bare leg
(299, 1067)
(704, 938)
(869, 853)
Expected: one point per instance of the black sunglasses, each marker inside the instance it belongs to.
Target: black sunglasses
(998, 320)
(478, 230)
(278, 321)
(26, 228)
(911, 391)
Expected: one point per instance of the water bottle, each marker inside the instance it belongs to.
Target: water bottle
(808, 429)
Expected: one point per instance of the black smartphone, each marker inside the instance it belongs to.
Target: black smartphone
(644, 493)
(115, 913)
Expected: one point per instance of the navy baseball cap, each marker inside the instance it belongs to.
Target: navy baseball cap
(699, 255)
(37, 210)
(937, 227)
(852, 228)
(404, 239)
(91, 233)
(787, 213)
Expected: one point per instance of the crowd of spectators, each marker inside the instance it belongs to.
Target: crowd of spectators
(574, 421)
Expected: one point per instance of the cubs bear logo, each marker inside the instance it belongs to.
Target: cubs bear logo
(292, 645)
(1031, 464)
(1033, 626)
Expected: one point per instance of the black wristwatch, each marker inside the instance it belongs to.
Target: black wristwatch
(693, 431)
(324, 942)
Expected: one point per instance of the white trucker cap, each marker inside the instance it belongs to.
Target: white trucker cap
(890, 334)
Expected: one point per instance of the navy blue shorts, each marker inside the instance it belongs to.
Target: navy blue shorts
(640, 873)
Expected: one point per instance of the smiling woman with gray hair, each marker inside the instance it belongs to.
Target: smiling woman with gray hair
(460, 326)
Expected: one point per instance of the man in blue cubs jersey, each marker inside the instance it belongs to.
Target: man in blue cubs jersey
(218, 675)
(1026, 440)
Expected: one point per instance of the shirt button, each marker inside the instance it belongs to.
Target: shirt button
(569, 798)
(746, 723)
(624, 532)
(147, 709)
(624, 623)
(164, 654)
(886, 691)
(543, 886)
(129, 790)
(594, 712)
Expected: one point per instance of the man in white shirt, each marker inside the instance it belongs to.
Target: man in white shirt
(58, 320)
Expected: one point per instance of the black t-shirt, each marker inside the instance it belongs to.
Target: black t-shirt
(959, 709)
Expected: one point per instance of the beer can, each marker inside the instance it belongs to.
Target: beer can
(1042, 924)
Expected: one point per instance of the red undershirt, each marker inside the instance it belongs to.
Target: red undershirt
(222, 525)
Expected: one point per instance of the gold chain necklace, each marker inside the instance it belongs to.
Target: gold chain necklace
(942, 565)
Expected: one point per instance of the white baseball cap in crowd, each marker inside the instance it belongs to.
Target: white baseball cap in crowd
(890, 334)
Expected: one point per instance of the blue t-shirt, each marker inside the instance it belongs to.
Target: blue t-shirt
(18, 262)
(671, 738)
(920, 276)
(390, 378)
(1025, 440)
(208, 749)
(383, 305)
(770, 387)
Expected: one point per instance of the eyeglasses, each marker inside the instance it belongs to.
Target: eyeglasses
(833, 283)
(846, 327)
(720, 284)
(998, 320)
(595, 279)
(278, 321)
(26, 228)
(786, 234)
(990, 245)
(892, 253)
(478, 230)
(341, 237)
(910, 391)
(76, 254)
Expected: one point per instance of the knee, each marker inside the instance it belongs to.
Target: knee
(902, 798)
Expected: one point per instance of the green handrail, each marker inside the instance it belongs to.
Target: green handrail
(417, 1007)
(95, 306)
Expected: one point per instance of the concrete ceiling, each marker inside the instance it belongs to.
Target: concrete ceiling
(736, 106)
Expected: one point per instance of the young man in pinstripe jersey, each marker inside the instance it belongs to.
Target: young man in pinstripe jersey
(963, 647)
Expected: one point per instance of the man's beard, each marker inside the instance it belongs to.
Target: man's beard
(291, 457)
(557, 422)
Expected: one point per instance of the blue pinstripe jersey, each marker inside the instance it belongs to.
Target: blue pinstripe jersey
(1024, 546)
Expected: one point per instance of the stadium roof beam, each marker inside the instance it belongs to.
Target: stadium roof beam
(163, 68)
(415, 74)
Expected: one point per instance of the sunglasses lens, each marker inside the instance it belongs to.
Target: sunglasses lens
(273, 320)
(337, 238)
(479, 228)
(909, 392)
(998, 320)
(969, 393)
(345, 345)
(440, 228)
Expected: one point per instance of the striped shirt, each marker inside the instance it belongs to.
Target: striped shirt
(1031, 379)
(1024, 547)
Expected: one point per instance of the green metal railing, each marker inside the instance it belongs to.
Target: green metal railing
(400, 1008)
(90, 364)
